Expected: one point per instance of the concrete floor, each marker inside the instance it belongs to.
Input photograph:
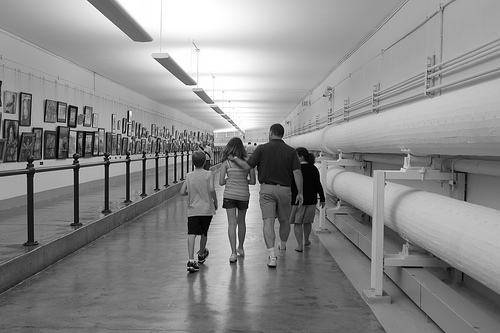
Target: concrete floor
(134, 279)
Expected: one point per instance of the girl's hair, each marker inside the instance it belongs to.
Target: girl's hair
(234, 147)
(308, 157)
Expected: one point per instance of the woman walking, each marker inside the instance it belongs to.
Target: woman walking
(236, 194)
(302, 216)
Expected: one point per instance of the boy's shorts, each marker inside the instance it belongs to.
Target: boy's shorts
(233, 203)
(275, 201)
(198, 225)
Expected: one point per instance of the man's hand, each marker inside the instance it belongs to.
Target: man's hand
(300, 199)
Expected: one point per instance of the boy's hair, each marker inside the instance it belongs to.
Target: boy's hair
(198, 158)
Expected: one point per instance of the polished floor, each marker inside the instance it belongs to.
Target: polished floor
(134, 279)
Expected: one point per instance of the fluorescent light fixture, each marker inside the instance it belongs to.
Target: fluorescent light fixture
(203, 95)
(122, 19)
(216, 108)
(166, 61)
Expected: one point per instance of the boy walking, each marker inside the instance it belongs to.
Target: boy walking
(199, 186)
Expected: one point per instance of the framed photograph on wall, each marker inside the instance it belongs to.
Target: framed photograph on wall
(95, 144)
(132, 128)
(62, 142)
(80, 143)
(114, 144)
(124, 145)
(62, 111)
(72, 115)
(2, 149)
(37, 148)
(124, 125)
(25, 109)
(49, 144)
(10, 103)
(95, 120)
(102, 138)
(50, 112)
(88, 144)
(11, 134)
(26, 146)
(118, 144)
(87, 112)
(113, 123)
(73, 138)
(129, 115)
(109, 139)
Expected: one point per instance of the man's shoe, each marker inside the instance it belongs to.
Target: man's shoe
(271, 262)
(192, 266)
(203, 256)
(282, 252)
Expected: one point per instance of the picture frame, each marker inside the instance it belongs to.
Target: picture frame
(124, 125)
(114, 144)
(87, 112)
(10, 103)
(62, 112)
(95, 120)
(95, 144)
(26, 146)
(11, 134)
(72, 146)
(102, 138)
(153, 130)
(113, 123)
(25, 100)
(132, 129)
(49, 144)
(129, 115)
(37, 148)
(124, 145)
(80, 143)
(109, 140)
(88, 144)
(72, 116)
(62, 142)
(118, 144)
(2, 149)
(50, 111)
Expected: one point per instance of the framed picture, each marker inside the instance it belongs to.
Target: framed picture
(109, 139)
(95, 144)
(72, 115)
(132, 130)
(113, 123)
(62, 142)
(37, 148)
(80, 143)
(50, 114)
(10, 102)
(87, 112)
(62, 110)
(95, 120)
(2, 149)
(26, 146)
(153, 130)
(124, 125)
(129, 129)
(49, 144)
(129, 115)
(80, 119)
(124, 145)
(25, 107)
(11, 134)
(137, 148)
(88, 144)
(138, 130)
(114, 144)
(102, 137)
(118, 144)
(73, 139)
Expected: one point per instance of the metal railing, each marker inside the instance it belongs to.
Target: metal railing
(30, 171)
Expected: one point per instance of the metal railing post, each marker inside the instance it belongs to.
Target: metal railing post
(166, 169)
(187, 162)
(107, 162)
(182, 165)
(157, 171)
(143, 194)
(127, 179)
(175, 167)
(76, 191)
(31, 202)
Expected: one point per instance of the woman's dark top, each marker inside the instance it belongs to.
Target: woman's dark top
(311, 185)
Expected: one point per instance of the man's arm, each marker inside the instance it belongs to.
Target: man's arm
(297, 176)
(242, 164)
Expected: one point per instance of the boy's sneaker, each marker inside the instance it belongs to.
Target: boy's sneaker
(203, 256)
(192, 266)
(271, 262)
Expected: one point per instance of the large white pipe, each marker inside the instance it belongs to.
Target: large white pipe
(464, 235)
(462, 122)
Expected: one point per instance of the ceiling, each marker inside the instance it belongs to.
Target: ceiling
(258, 59)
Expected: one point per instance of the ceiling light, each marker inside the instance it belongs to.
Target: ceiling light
(122, 19)
(216, 108)
(166, 61)
(203, 95)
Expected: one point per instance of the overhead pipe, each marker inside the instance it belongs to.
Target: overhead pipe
(465, 235)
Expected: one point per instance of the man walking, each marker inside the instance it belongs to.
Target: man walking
(278, 166)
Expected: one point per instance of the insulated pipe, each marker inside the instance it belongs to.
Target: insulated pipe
(463, 122)
(478, 167)
(465, 235)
